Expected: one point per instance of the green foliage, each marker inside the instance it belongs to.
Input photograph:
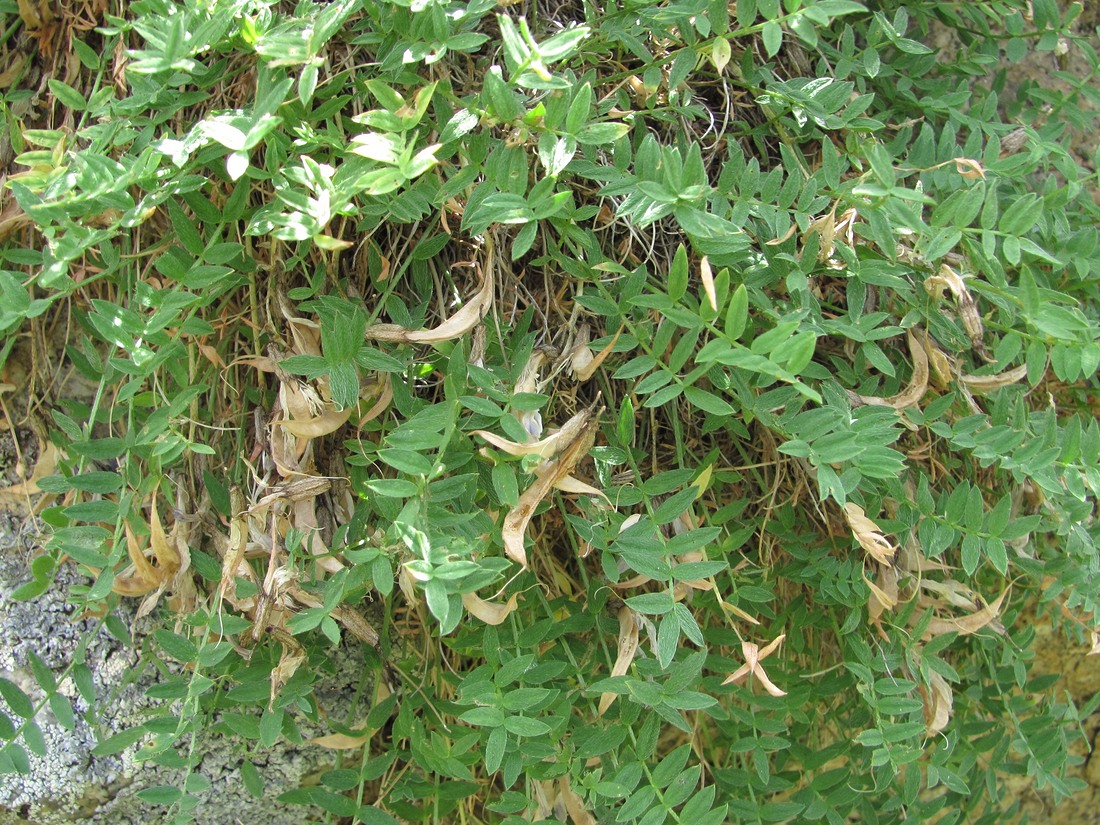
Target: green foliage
(844, 290)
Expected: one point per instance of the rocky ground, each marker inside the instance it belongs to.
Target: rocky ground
(70, 785)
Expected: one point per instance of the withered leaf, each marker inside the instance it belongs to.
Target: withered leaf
(938, 701)
(569, 484)
(292, 657)
(489, 612)
(583, 363)
(233, 558)
(574, 805)
(352, 620)
(942, 366)
(968, 308)
(544, 448)
(985, 616)
(989, 383)
(458, 324)
(737, 611)
(956, 593)
(329, 421)
(627, 648)
(146, 577)
(868, 534)
(299, 489)
(140, 581)
(385, 396)
(913, 393)
(551, 473)
(753, 657)
(884, 593)
(16, 496)
(340, 741)
(969, 168)
(305, 520)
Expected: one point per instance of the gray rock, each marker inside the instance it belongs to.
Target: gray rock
(69, 784)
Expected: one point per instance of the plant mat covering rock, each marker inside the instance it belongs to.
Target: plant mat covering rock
(675, 412)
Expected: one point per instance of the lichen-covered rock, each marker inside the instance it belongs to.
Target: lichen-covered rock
(69, 784)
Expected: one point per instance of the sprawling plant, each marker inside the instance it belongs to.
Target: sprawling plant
(685, 405)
